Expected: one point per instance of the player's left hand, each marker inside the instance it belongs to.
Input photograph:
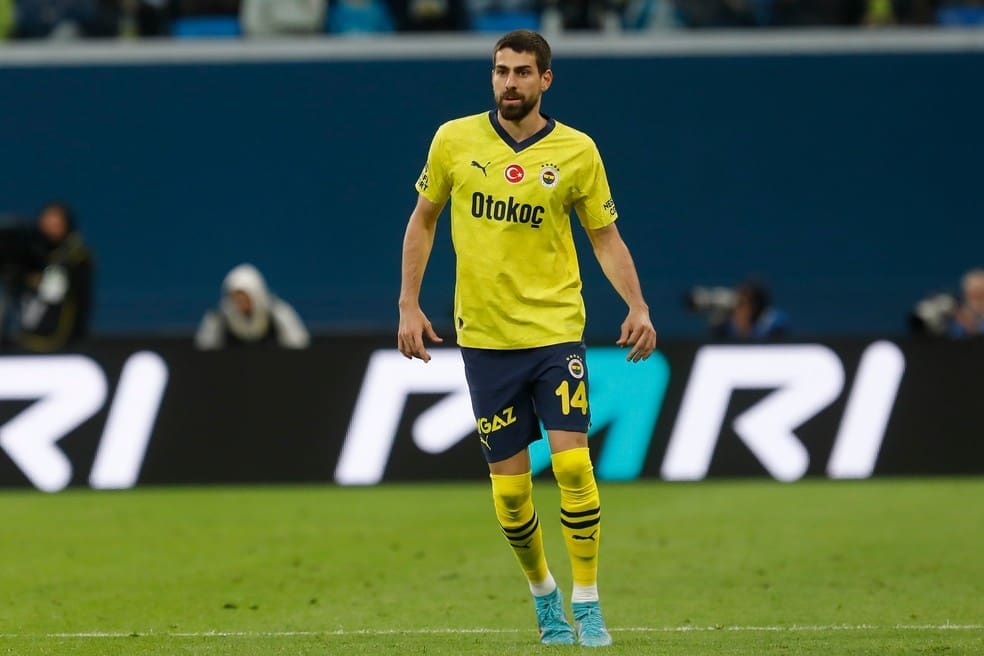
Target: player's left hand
(638, 332)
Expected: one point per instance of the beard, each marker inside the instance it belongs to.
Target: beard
(516, 112)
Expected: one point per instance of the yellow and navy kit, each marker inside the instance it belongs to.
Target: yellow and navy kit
(518, 284)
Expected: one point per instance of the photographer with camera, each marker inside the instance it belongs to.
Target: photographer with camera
(47, 272)
(21, 250)
(949, 316)
(969, 318)
(742, 314)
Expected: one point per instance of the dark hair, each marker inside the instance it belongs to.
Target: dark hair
(757, 295)
(526, 41)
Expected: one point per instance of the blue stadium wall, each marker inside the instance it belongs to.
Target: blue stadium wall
(850, 181)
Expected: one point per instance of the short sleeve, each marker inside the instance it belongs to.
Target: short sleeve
(434, 182)
(594, 204)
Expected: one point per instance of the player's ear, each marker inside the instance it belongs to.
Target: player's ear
(546, 79)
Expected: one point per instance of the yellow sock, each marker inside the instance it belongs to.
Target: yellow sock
(580, 513)
(513, 498)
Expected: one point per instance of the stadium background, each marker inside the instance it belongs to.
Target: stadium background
(838, 166)
(841, 168)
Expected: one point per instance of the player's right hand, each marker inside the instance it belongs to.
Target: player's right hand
(410, 339)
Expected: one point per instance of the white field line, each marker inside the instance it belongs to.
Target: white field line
(795, 628)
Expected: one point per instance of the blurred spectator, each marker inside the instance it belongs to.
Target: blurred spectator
(651, 15)
(504, 15)
(969, 318)
(250, 315)
(744, 313)
(597, 15)
(231, 18)
(207, 7)
(428, 15)
(22, 249)
(208, 19)
(146, 17)
(946, 315)
(282, 17)
(804, 13)
(954, 13)
(879, 13)
(359, 17)
(55, 293)
(723, 13)
(66, 19)
(6, 19)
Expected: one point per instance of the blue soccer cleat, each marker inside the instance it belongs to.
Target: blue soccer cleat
(554, 627)
(591, 631)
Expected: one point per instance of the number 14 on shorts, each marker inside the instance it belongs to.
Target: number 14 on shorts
(579, 399)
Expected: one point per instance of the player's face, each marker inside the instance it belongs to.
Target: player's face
(517, 84)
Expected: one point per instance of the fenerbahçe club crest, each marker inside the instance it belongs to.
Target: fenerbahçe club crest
(575, 366)
(549, 175)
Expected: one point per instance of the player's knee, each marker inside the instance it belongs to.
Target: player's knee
(511, 500)
(511, 493)
(572, 468)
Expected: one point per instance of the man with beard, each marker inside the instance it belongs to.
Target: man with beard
(513, 174)
(56, 300)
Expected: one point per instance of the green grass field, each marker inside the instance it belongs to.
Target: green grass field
(874, 567)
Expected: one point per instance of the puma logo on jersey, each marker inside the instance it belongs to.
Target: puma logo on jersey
(479, 166)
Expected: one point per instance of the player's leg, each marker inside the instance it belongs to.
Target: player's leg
(506, 425)
(580, 510)
(512, 494)
(580, 519)
(561, 399)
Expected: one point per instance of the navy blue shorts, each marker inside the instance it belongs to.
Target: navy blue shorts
(513, 391)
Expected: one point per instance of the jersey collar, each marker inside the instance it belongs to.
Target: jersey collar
(525, 143)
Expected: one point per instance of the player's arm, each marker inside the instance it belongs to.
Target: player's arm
(616, 262)
(417, 244)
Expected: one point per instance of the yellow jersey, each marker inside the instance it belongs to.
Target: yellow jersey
(518, 284)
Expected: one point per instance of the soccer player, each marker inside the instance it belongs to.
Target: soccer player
(513, 174)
